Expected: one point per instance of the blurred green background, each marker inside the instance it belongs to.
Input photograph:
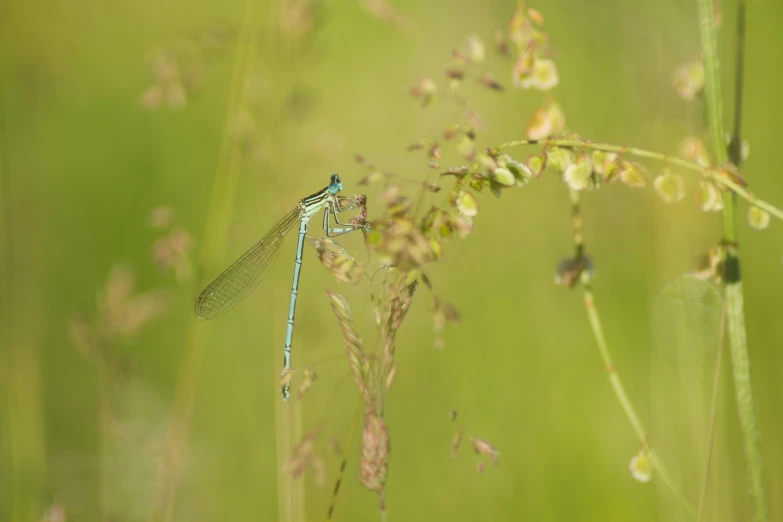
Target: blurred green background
(84, 164)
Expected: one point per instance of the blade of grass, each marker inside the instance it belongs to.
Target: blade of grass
(734, 298)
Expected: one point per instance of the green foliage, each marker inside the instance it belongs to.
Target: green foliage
(242, 118)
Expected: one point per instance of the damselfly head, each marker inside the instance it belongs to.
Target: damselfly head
(335, 185)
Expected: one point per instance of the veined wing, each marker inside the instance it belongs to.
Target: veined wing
(686, 324)
(233, 285)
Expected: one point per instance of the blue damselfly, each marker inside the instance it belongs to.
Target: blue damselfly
(233, 285)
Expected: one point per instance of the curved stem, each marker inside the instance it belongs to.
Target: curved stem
(614, 378)
(708, 173)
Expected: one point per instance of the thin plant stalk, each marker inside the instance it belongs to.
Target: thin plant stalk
(732, 278)
(217, 223)
(346, 455)
(290, 491)
(614, 378)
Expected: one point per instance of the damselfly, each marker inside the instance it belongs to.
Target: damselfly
(233, 285)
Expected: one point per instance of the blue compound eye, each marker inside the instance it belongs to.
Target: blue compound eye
(335, 185)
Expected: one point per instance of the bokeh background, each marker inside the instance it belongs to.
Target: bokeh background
(97, 383)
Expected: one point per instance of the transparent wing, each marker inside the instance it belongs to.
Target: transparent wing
(233, 285)
(686, 322)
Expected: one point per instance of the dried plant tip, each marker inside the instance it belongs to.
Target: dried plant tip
(390, 377)
(605, 164)
(309, 378)
(482, 447)
(152, 97)
(501, 44)
(549, 120)
(123, 314)
(304, 456)
(689, 80)
(372, 177)
(467, 204)
(758, 218)
(579, 175)
(337, 260)
(570, 269)
(458, 172)
(451, 131)
(731, 173)
(477, 182)
(670, 187)
(466, 149)
(519, 28)
(390, 195)
(54, 513)
(172, 251)
(456, 441)
(502, 177)
(474, 123)
(476, 51)
(426, 89)
(296, 18)
(535, 16)
(488, 80)
(400, 206)
(415, 146)
(693, 149)
(455, 73)
(119, 285)
(521, 173)
(375, 449)
(361, 160)
(360, 218)
(452, 415)
(176, 96)
(640, 466)
(434, 151)
(536, 164)
(161, 216)
(383, 10)
(432, 187)
(538, 73)
(708, 197)
(633, 174)
(459, 58)
(559, 158)
(357, 358)
(443, 312)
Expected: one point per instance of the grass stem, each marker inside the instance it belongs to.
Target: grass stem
(732, 278)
